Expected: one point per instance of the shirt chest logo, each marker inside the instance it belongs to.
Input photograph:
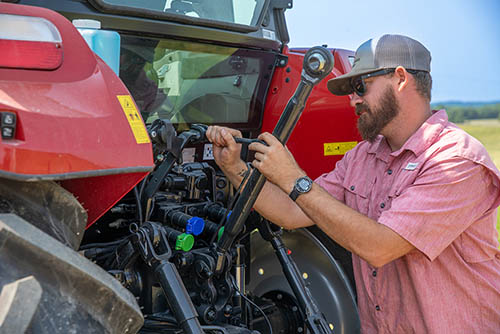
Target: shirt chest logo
(411, 166)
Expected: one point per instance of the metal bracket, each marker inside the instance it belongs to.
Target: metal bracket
(281, 60)
(282, 4)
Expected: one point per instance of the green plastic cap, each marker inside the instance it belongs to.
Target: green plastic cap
(184, 242)
(220, 233)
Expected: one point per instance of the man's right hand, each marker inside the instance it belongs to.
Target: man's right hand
(225, 149)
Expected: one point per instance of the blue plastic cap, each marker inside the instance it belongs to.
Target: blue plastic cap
(229, 214)
(195, 225)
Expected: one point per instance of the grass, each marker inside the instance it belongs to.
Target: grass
(487, 131)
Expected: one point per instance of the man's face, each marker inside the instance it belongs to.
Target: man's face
(374, 118)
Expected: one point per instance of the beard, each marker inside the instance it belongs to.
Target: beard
(373, 120)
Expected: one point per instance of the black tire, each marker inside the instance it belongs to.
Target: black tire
(315, 256)
(47, 288)
(47, 206)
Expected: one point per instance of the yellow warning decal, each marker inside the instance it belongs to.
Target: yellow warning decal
(338, 148)
(133, 118)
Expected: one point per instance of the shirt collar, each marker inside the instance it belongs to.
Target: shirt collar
(418, 142)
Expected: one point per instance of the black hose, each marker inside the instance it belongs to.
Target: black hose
(103, 244)
(139, 205)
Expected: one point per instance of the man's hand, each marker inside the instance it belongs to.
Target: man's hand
(226, 150)
(275, 162)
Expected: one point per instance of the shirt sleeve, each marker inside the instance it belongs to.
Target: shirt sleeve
(332, 182)
(442, 203)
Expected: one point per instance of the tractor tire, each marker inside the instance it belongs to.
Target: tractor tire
(48, 288)
(317, 258)
(47, 206)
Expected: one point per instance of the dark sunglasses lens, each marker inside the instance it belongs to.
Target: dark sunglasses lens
(358, 86)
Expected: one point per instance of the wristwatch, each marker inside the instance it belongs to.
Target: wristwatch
(302, 185)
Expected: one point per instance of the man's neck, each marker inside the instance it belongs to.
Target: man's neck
(405, 124)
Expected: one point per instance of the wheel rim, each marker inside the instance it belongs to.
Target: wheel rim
(321, 272)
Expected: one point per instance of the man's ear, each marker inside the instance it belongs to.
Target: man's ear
(402, 77)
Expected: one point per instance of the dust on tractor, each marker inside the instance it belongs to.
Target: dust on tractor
(114, 217)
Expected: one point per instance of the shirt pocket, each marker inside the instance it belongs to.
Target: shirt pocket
(387, 203)
(403, 182)
(356, 194)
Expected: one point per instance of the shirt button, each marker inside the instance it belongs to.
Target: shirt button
(377, 308)
(382, 205)
(389, 171)
(374, 273)
(352, 187)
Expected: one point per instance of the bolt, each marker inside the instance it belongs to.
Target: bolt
(153, 134)
(282, 62)
(261, 271)
(211, 315)
(295, 309)
(160, 157)
(279, 296)
(300, 330)
(228, 309)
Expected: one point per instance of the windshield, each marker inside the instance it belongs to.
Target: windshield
(188, 82)
(244, 12)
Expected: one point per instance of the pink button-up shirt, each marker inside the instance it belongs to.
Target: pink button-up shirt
(440, 192)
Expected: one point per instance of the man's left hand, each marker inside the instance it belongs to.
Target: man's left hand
(275, 162)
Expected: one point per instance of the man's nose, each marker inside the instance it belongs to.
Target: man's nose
(355, 99)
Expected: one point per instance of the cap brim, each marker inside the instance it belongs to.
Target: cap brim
(341, 85)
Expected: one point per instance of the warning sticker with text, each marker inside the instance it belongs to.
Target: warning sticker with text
(338, 148)
(133, 118)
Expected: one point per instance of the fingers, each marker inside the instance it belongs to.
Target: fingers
(220, 136)
(266, 137)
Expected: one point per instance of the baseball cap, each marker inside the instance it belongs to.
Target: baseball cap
(388, 51)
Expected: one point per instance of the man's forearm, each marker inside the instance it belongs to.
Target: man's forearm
(272, 203)
(375, 243)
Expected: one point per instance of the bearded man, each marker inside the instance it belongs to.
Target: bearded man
(415, 202)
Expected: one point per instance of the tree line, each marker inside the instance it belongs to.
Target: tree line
(460, 112)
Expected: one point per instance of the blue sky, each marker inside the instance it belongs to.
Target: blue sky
(462, 35)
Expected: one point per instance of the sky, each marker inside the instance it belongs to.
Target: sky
(463, 37)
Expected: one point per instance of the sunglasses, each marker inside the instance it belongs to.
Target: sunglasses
(358, 83)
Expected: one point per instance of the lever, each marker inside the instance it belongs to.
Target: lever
(248, 141)
(318, 63)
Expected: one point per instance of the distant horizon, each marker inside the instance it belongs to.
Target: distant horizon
(466, 102)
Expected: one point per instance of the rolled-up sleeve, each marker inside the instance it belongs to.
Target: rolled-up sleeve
(445, 199)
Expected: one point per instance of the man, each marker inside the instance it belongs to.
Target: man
(415, 202)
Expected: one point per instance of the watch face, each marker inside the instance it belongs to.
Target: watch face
(304, 185)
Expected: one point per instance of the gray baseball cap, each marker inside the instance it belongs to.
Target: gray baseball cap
(388, 51)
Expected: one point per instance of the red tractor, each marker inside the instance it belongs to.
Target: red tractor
(114, 217)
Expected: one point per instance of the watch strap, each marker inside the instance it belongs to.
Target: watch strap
(294, 194)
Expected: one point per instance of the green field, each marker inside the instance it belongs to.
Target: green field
(487, 131)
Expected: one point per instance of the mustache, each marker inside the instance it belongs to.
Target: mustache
(362, 107)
